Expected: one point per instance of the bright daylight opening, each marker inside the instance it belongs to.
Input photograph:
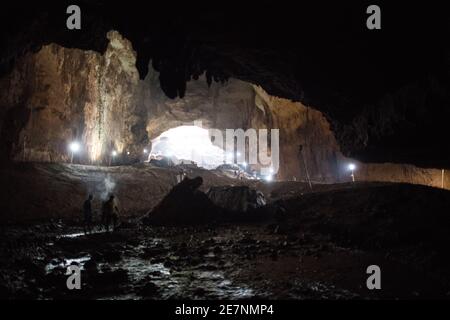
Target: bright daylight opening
(188, 143)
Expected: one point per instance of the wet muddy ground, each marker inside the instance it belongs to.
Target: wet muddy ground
(215, 262)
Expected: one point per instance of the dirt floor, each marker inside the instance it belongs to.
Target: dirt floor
(319, 248)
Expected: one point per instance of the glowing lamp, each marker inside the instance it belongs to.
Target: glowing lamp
(352, 168)
(74, 147)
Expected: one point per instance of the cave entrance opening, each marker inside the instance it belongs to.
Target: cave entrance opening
(187, 144)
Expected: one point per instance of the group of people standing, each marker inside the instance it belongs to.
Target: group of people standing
(110, 214)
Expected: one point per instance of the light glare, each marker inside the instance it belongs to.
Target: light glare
(189, 143)
(74, 146)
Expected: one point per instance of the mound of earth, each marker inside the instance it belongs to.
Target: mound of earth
(408, 221)
(37, 192)
(186, 205)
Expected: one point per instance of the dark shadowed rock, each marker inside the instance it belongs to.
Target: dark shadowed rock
(149, 290)
(240, 198)
(184, 204)
(109, 278)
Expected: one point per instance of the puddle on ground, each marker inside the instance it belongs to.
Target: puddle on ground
(138, 269)
(201, 284)
(80, 234)
(181, 280)
(66, 262)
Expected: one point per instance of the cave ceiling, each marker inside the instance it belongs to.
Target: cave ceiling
(385, 92)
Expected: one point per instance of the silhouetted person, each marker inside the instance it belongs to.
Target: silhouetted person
(104, 212)
(87, 213)
(181, 176)
(110, 213)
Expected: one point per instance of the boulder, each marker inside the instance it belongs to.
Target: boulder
(184, 205)
(236, 199)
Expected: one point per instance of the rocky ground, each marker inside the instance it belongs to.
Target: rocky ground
(216, 262)
(317, 246)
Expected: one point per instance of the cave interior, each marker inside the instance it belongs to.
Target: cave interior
(253, 150)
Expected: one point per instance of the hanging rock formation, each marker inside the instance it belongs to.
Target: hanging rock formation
(58, 95)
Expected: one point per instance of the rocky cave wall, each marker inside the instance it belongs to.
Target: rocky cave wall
(303, 125)
(58, 95)
(385, 93)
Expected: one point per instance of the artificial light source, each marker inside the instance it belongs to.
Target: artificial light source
(268, 178)
(74, 147)
(128, 152)
(113, 155)
(352, 168)
(145, 151)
